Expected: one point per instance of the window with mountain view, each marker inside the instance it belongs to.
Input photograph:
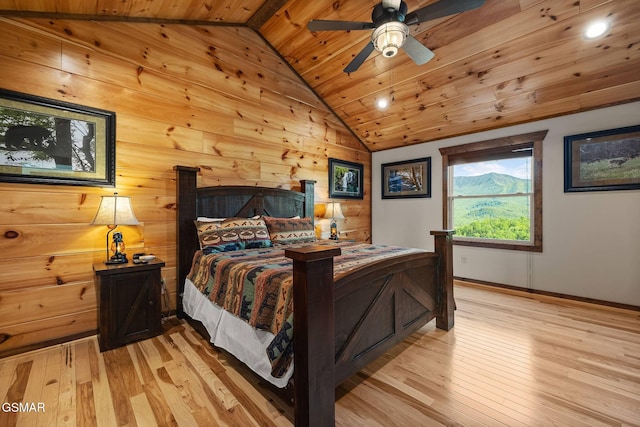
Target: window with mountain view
(492, 199)
(494, 192)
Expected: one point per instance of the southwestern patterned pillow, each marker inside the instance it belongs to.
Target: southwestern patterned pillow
(233, 233)
(290, 230)
(208, 231)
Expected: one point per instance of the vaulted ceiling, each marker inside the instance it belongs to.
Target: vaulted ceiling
(507, 62)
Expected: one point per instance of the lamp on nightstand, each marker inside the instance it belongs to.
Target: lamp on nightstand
(113, 211)
(333, 212)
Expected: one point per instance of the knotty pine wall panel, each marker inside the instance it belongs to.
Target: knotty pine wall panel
(33, 334)
(213, 97)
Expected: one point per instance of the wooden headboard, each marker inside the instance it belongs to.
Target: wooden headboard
(226, 202)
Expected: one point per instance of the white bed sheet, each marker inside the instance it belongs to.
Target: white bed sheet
(233, 334)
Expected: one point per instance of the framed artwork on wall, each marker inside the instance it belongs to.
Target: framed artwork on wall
(45, 141)
(603, 160)
(407, 179)
(346, 179)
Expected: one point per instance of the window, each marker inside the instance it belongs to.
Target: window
(493, 192)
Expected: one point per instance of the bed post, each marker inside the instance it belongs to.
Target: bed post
(307, 188)
(186, 237)
(314, 335)
(444, 249)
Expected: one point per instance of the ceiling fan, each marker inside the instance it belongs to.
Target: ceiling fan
(390, 27)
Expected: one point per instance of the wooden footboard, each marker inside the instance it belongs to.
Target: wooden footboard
(341, 327)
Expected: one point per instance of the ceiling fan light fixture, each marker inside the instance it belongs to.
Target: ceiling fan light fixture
(390, 37)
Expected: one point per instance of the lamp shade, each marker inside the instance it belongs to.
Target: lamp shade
(115, 210)
(333, 211)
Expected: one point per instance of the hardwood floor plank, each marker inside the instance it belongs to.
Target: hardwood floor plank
(192, 396)
(155, 398)
(15, 392)
(604, 375)
(172, 394)
(197, 398)
(246, 387)
(67, 397)
(224, 396)
(105, 415)
(205, 383)
(118, 387)
(358, 410)
(513, 359)
(151, 355)
(143, 411)
(85, 408)
(556, 353)
(83, 362)
(408, 397)
(129, 375)
(51, 389)
(33, 390)
(165, 356)
(7, 372)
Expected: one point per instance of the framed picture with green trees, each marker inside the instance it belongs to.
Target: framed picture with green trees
(603, 160)
(346, 179)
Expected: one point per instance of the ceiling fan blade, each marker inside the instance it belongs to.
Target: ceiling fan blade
(440, 9)
(320, 25)
(391, 4)
(360, 58)
(417, 51)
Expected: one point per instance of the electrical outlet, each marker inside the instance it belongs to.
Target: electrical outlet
(463, 260)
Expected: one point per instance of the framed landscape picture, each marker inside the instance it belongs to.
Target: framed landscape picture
(603, 160)
(407, 179)
(44, 141)
(346, 179)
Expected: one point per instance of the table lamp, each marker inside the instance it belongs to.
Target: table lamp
(113, 211)
(333, 212)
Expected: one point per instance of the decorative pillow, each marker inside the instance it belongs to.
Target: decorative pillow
(251, 232)
(290, 230)
(207, 219)
(232, 234)
(208, 231)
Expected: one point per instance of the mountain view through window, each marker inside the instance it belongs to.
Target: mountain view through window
(492, 199)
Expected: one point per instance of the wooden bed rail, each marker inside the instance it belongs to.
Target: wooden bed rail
(314, 341)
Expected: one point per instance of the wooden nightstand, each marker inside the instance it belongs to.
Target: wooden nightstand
(129, 302)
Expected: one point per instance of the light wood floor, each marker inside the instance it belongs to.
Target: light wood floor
(513, 359)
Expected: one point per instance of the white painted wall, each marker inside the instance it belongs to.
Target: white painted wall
(591, 240)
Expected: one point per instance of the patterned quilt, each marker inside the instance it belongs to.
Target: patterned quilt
(256, 286)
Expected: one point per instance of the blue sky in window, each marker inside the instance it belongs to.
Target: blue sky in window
(519, 167)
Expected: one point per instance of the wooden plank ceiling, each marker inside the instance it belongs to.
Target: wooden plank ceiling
(507, 62)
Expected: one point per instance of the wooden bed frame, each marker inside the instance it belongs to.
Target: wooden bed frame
(339, 327)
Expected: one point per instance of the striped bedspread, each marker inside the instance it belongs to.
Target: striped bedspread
(255, 285)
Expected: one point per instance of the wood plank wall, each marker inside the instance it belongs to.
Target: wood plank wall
(214, 97)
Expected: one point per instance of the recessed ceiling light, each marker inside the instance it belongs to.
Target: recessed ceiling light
(382, 103)
(596, 29)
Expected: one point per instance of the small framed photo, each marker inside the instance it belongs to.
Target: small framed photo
(346, 179)
(407, 179)
(45, 141)
(603, 160)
